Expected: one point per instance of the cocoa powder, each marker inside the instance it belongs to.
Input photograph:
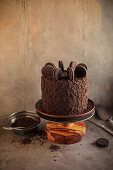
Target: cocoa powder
(25, 122)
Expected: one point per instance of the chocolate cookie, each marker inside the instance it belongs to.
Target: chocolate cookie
(60, 63)
(58, 73)
(80, 71)
(48, 71)
(72, 65)
(103, 142)
(51, 64)
(70, 74)
(82, 64)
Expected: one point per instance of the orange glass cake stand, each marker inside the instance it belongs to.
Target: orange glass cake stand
(66, 129)
(68, 133)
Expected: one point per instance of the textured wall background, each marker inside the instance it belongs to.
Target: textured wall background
(33, 32)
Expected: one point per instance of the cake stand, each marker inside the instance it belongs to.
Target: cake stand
(66, 129)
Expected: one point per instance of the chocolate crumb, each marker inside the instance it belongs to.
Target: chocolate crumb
(54, 148)
(12, 141)
(41, 133)
(26, 141)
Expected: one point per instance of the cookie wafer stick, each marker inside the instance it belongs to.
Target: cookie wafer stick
(60, 63)
(58, 73)
(48, 71)
(72, 65)
(70, 74)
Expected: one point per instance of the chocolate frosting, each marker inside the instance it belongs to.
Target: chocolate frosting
(64, 97)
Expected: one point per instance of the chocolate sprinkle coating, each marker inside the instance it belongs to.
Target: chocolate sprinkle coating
(64, 97)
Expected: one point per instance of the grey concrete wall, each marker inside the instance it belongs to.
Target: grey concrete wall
(33, 32)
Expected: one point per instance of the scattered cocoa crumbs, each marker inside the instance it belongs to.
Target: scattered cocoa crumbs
(54, 148)
(26, 141)
(39, 135)
(13, 141)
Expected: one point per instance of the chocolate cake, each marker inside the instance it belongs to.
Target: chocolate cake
(64, 92)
